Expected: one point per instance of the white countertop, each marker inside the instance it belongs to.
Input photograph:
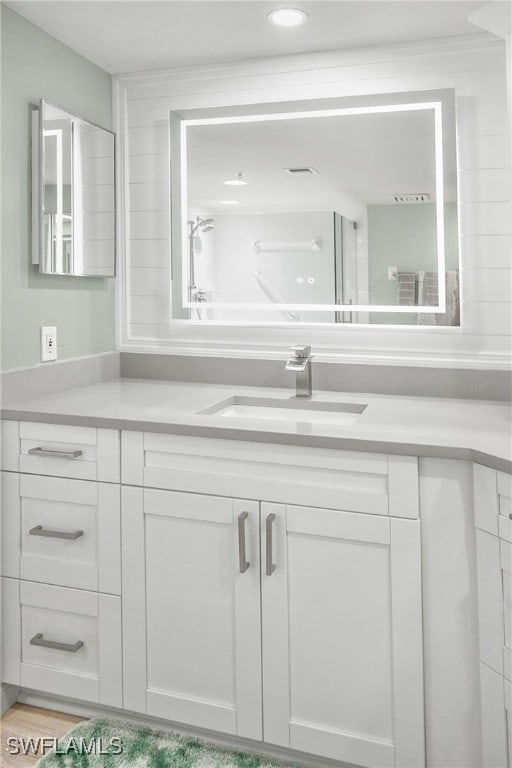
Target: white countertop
(448, 428)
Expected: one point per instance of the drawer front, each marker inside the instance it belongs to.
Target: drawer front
(63, 641)
(485, 487)
(85, 453)
(346, 480)
(60, 531)
(496, 711)
(504, 482)
(507, 667)
(508, 715)
(506, 570)
(490, 600)
(493, 501)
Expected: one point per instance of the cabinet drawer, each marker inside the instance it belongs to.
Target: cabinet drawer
(506, 569)
(62, 641)
(493, 501)
(496, 711)
(346, 480)
(61, 531)
(492, 584)
(505, 528)
(59, 450)
(504, 483)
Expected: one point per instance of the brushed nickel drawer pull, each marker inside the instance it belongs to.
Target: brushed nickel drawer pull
(38, 530)
(244, 563)
(270, 566)
(58, 454)
(70, 647)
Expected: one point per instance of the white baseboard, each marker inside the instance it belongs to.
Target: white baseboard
(81, 709)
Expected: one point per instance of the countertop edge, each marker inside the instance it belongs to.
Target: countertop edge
(421, 450)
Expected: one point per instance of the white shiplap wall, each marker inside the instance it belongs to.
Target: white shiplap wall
(474, 66)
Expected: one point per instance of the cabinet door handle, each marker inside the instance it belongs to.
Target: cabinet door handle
(40, 451)
(270, 566)
(244, 563)
(70, 647)
(38, 530)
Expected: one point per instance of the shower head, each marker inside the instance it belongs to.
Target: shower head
(205, 225)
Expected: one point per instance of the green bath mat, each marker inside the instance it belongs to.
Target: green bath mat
(100, 743)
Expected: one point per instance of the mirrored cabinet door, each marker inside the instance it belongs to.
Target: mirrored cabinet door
(74, 195)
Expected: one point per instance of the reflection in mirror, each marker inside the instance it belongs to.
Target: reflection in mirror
(344, 215)
(77, 196)
(57, 174)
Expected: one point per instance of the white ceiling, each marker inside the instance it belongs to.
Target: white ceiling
(132, 36)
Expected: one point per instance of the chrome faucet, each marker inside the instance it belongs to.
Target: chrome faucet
(300, 364)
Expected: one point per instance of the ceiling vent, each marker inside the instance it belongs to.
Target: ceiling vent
(300, 171)
(411, 197)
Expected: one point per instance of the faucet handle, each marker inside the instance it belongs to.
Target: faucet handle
(301, 350)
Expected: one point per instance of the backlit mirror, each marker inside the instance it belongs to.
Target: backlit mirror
(334, 212)
(74, 200)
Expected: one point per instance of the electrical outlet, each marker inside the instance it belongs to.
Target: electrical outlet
(48, 343)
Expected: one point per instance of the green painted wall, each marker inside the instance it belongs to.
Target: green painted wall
(34, 66)
(405, 236)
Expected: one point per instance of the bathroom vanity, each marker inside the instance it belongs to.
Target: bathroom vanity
(301, 588)
(317, 576)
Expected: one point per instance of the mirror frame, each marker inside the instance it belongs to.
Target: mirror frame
(442, 102)
(38, 240)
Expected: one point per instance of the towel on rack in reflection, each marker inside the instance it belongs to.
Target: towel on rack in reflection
(406, 288)
(428, 295)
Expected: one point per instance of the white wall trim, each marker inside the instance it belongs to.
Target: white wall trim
(483, 340)
(122, 255)
(311, 61)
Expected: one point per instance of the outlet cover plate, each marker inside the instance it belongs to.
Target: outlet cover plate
(48, 343)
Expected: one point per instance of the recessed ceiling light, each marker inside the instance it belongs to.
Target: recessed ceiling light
(239, 181)
(229, 202)
(287, 17)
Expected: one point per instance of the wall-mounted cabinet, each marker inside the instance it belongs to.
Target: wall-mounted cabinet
(73, 195)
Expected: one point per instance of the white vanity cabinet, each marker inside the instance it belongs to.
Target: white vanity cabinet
(493, 520)
(319, 648)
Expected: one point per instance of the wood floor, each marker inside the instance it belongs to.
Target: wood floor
(22, 721)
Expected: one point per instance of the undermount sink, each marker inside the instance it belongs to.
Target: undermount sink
(287, 410)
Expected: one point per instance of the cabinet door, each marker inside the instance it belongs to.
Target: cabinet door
(342, 635)
(191, 609)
